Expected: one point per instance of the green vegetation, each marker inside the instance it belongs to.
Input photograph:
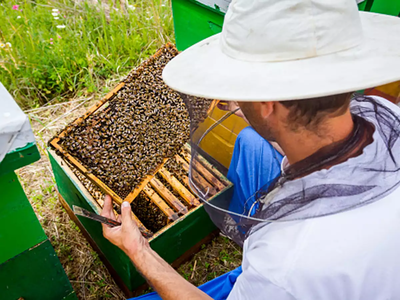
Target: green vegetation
(53, 49)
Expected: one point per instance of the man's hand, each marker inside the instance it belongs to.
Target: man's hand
(158, 273)
(127, 237)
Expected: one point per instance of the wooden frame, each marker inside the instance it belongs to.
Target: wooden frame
(170, 205)
(149, 184)
(101, 104)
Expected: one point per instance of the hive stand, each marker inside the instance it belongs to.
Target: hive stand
(29, 267)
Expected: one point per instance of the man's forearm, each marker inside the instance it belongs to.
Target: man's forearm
(163, 278)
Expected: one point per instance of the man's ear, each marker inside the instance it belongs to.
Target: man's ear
(266, 109)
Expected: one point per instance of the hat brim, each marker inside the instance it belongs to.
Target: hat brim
(203, 70)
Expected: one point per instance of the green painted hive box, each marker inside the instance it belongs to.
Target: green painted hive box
(182, 236)
(197, 20)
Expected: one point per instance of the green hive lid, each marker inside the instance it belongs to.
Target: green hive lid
(221, 5)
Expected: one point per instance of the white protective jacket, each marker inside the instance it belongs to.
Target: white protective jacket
(349, 255)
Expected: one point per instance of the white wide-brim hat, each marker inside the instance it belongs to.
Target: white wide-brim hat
(273, 50)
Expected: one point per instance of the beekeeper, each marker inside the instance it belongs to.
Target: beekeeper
(324, 223)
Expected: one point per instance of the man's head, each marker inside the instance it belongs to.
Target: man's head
(308, 115)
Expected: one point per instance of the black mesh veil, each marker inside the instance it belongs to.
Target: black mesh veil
(308, 189)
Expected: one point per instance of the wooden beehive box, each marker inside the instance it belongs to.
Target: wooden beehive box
(175, 242)
(164, 208)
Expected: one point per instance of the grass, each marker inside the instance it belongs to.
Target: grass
(56, 49)
(217, 258)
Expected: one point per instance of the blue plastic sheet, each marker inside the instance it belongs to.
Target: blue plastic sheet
(218, 288)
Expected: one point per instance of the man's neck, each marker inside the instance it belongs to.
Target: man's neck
(303, 143)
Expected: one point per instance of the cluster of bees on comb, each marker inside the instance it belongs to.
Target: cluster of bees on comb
(142, 207)
(142, 125)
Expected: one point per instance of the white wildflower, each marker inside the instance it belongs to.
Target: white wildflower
(8, 45)
(55, 9)
(2, 45)
(54, 14)
(19, 17)
(56, 18)
(133, 7)
(60, 26)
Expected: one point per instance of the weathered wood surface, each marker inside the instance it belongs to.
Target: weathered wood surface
(168, 196)
(209, 166)
(203, 171)
(183, 192)
(197, 178)
(156, 199)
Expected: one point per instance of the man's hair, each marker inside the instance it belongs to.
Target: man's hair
(309, 113)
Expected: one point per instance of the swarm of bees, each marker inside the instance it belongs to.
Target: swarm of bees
(143, 124)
